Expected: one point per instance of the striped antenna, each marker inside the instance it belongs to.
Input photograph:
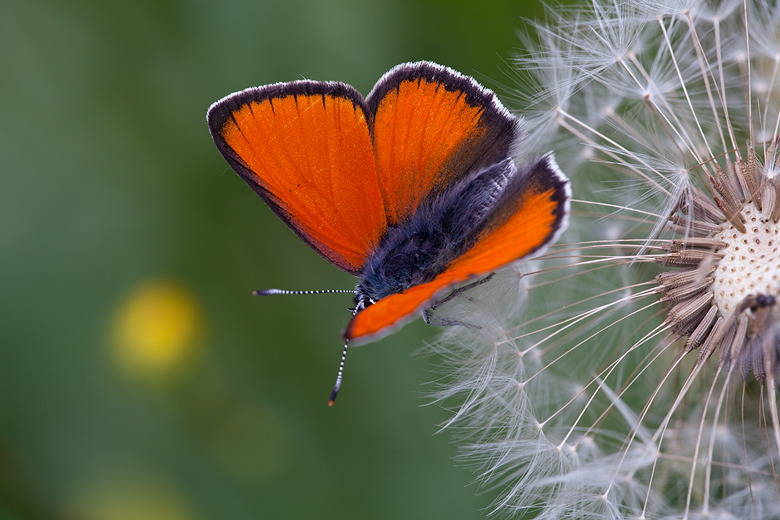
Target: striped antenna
(337, 386)
(272, 292)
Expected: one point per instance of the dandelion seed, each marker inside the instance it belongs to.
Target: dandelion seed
(643, 380)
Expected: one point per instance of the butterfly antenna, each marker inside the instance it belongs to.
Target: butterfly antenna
(337, 386)
(272, 292)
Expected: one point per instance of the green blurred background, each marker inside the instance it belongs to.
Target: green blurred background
(138, 376)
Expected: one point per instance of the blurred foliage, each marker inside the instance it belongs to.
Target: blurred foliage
(138, 376)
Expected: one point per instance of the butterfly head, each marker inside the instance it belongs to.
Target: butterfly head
(361, 301)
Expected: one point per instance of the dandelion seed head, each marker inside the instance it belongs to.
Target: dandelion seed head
(639, 377)
(750, 264)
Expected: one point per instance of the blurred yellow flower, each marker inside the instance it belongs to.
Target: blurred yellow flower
(129, 496)
(157, 327)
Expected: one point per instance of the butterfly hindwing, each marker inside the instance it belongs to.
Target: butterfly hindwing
(529, 215)
(431, 126)
(305, 148)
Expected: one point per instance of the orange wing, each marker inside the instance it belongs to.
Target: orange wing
(305, 148)
(431, 126)
(523, 224)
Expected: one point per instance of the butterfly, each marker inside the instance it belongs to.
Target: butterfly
(413, 189)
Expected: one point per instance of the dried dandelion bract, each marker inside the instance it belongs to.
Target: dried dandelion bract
(641, 381)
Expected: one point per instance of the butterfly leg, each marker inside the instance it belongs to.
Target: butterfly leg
(455, 292)
(460, 290)
(445, 322)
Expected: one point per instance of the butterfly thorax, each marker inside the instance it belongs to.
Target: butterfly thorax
(419, 249)
(406, 257)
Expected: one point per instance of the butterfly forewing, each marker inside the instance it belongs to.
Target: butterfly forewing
(431, 127)
(305, 148)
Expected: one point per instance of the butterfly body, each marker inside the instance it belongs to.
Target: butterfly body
(413, 189)
(417, 251)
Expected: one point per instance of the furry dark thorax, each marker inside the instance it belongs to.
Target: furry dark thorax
(441, 230)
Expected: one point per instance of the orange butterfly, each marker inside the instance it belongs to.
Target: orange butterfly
(413, 189)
